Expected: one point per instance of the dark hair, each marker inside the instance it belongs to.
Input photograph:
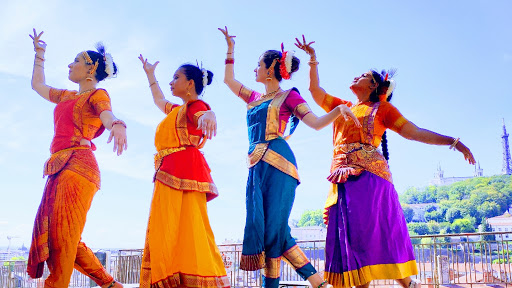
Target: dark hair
(100, 58)
(270, 55)
(374, 97)
(193, 72)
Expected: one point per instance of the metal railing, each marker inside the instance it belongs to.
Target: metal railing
(443, 260)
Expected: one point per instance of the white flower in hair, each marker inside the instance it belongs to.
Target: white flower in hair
(109, 65)
(205, 77)
(391, 87)
(288, 60)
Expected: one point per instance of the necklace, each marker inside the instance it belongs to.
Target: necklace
(86, 91)
(270, 94)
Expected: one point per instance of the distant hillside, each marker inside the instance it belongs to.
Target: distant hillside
(461, 207)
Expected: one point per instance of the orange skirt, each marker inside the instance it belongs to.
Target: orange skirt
(180, 249)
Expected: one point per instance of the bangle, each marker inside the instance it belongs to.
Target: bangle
(322, 284)
(230, 61)
(156, 82)
(230, 52)
(39, 48)
(313, 62)
(35, 64)
(120, 122)
(455, 141)
(39, 57)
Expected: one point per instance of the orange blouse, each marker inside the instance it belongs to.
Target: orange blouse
(385, 117)
(77, 116)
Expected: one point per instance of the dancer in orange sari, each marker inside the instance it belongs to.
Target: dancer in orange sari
(72, 170)
(180, 249)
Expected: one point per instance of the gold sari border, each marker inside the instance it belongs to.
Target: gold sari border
(159, 156)
(295, 257)
(272, 268)
(252, 262)
(193, 281)
(282, 164)
(302, 110)
(257, 154)
(369, 273)
(185, 184)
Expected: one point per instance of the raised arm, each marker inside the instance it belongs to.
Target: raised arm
(38, 80)
(413, 132)
(229, 73)
(317, 92)
(158, 95)
(318, 123)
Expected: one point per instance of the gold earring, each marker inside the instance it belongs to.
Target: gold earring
(89, 78)
(188, 93)
(268, 76)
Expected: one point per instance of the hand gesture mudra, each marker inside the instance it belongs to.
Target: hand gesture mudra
(208, 124)
(305, 46)
(468, 156)
(148, 67)
(38, 43)
(229, 38)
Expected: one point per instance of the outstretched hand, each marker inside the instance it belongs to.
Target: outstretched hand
(208, 124)
(148, 67)
(305, 46)
(38, 43)
(348, 114)
(229, 38)
(118, 133)
(468, 156)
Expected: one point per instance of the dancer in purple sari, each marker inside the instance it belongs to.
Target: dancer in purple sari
(367, 237)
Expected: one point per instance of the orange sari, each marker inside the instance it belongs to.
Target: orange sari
(73, 179)
(180, 249)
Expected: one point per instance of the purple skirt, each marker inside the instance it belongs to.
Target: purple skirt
(367, 235)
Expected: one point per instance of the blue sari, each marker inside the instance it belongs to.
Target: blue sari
(270, 193)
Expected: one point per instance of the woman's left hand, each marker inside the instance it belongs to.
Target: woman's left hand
(208, 124)
(468, 156)
(118, 133)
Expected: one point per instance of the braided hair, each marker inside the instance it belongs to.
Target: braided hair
(383, 84)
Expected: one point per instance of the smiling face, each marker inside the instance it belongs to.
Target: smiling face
(78, 69)
(180, 85)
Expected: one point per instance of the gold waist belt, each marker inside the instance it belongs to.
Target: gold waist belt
(165, 152)
(351, 147)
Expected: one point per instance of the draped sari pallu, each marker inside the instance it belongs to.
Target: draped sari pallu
(271, 185)
(180, 249)
(367, 236)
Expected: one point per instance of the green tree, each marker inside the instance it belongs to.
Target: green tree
(311, 218)
(408, 213)
(418, 228)
(462, 226)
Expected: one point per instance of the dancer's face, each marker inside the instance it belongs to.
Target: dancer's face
(261, 71)
(179, 84)
(78, 69)
(363, 83)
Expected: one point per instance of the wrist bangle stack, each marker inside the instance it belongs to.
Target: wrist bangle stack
(39, 57)
(156, 82)
(455, 141)
(120, 122)
(230, 61)
(313, 61)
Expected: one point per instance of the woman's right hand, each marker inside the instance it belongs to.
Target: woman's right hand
(148, 67)
(348, 114)
(229, 38)
(38, 43)
(305, 46)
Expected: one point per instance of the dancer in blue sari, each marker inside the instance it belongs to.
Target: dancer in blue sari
(273, 175)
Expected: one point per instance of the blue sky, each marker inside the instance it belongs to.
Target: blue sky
(453, 58)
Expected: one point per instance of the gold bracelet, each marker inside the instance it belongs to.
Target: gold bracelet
(156, 82)
(313, 62)
(455, 141)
